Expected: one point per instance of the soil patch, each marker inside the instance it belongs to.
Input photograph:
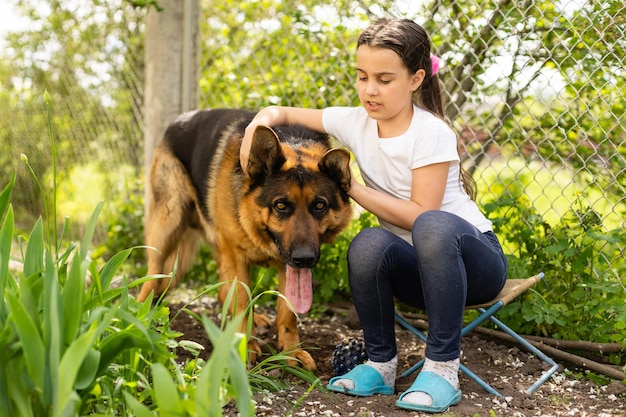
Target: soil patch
(507, 368)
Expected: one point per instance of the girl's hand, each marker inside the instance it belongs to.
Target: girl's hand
(353, 181)
(276, 116)
(246, 143)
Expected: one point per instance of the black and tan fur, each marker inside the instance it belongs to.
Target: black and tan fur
(292, 199)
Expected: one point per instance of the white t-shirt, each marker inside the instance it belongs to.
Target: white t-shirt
(387, 164)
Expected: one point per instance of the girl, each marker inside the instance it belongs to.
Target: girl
(435, 249)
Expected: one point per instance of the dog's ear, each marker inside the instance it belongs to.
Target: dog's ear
(265, 153)
(336, 164)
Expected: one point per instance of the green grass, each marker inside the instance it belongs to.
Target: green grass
(551, 190)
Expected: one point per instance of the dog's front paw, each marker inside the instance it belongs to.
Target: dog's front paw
(301, 358)
(261, 320)
(254, 352)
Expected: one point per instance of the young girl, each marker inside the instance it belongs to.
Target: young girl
(435, 249)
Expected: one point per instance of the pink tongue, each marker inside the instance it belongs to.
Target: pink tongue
(299, 289)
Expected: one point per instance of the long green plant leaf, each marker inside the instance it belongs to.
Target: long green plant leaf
(72, 296)
(32, 344)
(138, 408)
(52, 330)
(221, 367)
(74, 290)
(109, 270)
(5, 197)
(7, 379)
(21, 402)
(88, 370)
(89, 231)
(33, 259)
(165, 392)
(239, 378)
(69, 366)
(6, 236)
(116, 343)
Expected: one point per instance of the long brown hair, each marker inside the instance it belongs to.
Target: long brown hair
(412, 44)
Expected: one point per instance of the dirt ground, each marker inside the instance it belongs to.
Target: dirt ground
(507, 368)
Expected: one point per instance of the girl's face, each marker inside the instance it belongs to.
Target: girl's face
(385, 87)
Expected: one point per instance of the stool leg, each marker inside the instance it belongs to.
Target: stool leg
(402, 321)
(532, 349)
(410, 327)
(479, 381)
(413, 368)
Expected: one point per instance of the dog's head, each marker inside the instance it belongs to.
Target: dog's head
(300, 188)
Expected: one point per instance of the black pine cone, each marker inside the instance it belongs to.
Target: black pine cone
(348, 354)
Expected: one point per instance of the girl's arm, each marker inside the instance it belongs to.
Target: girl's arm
(427, 190)
(277, 116)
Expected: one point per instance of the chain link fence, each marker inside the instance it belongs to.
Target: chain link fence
(89, 57)
(536, 91)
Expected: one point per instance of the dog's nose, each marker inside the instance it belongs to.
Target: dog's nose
(303, 258)
(304, 262)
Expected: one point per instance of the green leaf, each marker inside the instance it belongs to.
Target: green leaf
(239, 380)
(52, 330)
(165, 392)
(6, 236)
(111, 267)
(138, 324)
(104, 298)
(5, 197)
(69, 366)
(31, 341)
(88, 370)
(214, 374)
(89, 232)
(34, 257)
(72, 295)
(139, 409)
(5, 402)
(608, 237)
(116, 343)
(19, 393)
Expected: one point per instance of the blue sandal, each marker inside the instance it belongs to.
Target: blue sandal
(442, 392)
(367, 382)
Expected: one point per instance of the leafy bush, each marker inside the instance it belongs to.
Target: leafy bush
(60, 335)
(575, 300)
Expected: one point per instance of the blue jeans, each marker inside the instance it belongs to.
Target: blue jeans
(451, 265)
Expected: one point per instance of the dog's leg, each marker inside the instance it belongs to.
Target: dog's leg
(162, 233)
(181, 258)
(171, 210)
(287, 329)
(233, 270)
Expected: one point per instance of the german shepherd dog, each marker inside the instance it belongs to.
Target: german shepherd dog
(292, 199)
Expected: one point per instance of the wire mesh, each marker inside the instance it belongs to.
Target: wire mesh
(535, 90)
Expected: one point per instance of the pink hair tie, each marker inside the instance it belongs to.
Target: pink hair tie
(435, 60)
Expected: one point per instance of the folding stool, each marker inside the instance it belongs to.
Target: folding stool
(512, 289)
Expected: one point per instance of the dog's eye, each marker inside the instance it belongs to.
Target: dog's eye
(319, 205)
(280, 206)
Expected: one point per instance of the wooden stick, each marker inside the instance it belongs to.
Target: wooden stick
(602, 348)
(558, 354)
